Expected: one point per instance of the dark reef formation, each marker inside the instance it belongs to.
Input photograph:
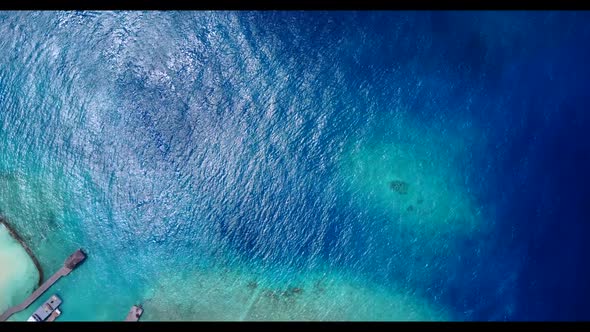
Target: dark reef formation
(277, 294)
(18, 238)
(400, 187)
(8, 176)
(287, 294)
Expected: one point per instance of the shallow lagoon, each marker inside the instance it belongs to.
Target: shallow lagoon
(18, 274)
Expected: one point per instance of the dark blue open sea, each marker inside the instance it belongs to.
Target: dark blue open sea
(301, 165)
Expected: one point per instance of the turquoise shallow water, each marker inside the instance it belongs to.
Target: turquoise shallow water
(239, 166)
(19, 276)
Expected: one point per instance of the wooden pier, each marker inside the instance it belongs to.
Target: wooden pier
(69, 265)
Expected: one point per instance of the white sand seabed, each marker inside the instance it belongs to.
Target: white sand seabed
(18, 274)
(241, 295)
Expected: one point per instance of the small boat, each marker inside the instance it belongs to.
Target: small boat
(46, 310)
(134, 314)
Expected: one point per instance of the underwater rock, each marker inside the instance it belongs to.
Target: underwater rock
(8, 176)
(319, 286)
(292, 291)
(400, 187)
(287, 293)
(272, 295)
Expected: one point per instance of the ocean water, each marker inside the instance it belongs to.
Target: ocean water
(301, 165)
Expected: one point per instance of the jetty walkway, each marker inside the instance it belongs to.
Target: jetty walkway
(69, 265)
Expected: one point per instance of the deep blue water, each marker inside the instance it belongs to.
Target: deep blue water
(215, 141)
